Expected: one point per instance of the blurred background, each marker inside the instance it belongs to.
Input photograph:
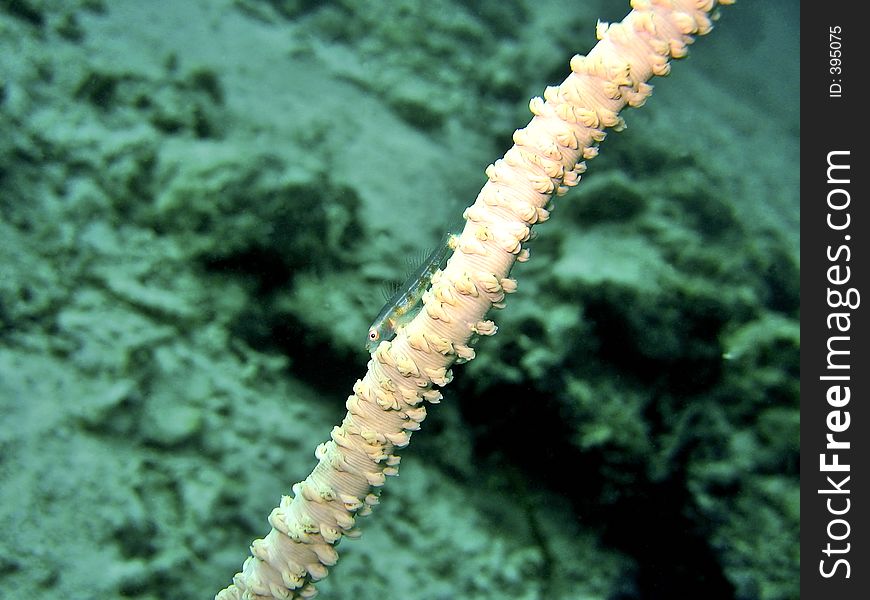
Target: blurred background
(200, 205)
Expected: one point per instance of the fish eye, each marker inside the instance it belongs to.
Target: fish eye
(373, 334)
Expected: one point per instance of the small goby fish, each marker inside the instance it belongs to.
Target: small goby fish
(399, 309)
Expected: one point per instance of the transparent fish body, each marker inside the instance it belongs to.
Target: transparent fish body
(403, 304)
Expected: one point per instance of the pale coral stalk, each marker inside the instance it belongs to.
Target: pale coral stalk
(388, 403)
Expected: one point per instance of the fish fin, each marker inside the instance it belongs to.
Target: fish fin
(389, 289)
(415, 260)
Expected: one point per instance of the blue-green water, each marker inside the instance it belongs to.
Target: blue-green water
(200, 203)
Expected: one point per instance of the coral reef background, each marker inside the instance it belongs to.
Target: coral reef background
(200, 202)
